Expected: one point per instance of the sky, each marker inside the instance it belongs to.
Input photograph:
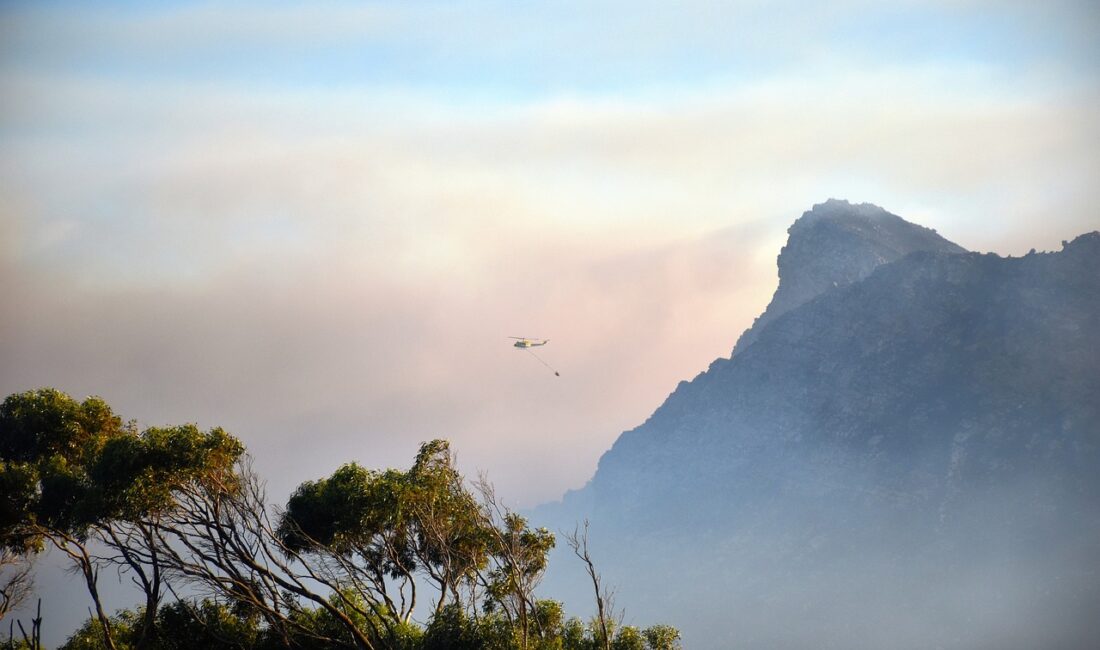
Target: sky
(316, 224)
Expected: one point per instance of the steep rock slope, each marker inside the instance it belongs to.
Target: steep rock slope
(908, 458)
(837, 243)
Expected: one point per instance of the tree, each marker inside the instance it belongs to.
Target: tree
(47, 440)
(183, 624)
(354, 525)
(77, 473)
(578, 541)
(92, 635)
(220, 540)
(662, 637)
(450, 538)
(628, 638)
(139, 478)
(338, 567)
(377, 532)
(519, 557)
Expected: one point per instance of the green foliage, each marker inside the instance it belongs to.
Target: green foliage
(549, 617)
(136, 475)
(576, 636)
(66, 466)
(216, 626)
(628, 638)
(73, 469)
(394, 523)
(319, 623)
(18, 495)
(450, 533)
(345, 510)
(209, 625)
(47, 423)
(452, 629)
(90, 635)
(523, 554)
(662, 637)
(46, 441)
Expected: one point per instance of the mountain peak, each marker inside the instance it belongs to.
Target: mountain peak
(841, 209)
(836, 243)
(867, 221)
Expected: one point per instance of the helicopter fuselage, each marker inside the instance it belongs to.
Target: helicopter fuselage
(527, 343)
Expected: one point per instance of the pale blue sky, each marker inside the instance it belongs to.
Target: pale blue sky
(502, 50)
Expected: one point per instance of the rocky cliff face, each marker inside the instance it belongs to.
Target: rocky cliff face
(835, 244)
(904, 451)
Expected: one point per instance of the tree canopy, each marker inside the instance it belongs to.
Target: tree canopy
(345, 563)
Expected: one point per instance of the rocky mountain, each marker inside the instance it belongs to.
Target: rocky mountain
(903, 451)
(835, 244)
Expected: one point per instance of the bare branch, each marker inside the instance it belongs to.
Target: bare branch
(16, 580)
(605, 607)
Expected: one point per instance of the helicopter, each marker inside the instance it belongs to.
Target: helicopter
(525, 343)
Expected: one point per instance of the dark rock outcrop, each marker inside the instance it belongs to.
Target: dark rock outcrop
(835, 244)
